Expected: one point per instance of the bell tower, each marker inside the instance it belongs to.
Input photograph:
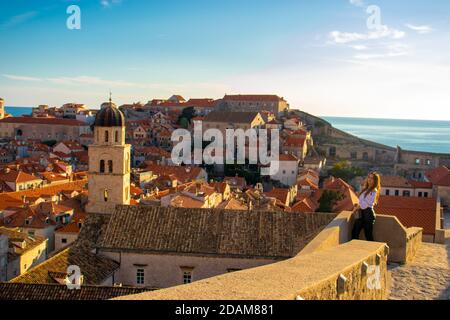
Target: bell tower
(109, 162)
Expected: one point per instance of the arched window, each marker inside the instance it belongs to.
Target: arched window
(117, 136)
(102, 166)
(106, 136)
(105, 195)
(110, 166)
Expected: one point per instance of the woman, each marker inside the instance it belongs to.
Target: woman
(368, 199)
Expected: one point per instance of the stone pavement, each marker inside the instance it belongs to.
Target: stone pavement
(426, 278)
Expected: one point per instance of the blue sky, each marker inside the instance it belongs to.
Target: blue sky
(320, 55)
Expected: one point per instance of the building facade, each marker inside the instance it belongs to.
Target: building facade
(255, 103)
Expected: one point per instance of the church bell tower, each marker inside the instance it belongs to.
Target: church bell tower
(109, 162)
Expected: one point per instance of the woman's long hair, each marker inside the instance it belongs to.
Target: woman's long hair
(376, 187)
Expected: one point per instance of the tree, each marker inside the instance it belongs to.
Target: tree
(328, 200)
(342, 170)
(183, 122)
(188, 114)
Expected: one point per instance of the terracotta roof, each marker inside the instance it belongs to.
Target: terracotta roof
(183, 174)
(306, 205)
(421, 184)
(278, 193)
(72, 227)
(183, 201)
(210, 232)
(254, 97)
(18, 177)
(411, 211)
(15, 198)
(202, 103)
(287, 157)
(44, 292)
(294, 142)
(45, 121)
(230, 117)
(94, 268)
(439, 176)
(14, 235)
(395, 182)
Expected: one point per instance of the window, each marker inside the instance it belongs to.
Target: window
(425, 194)
(397, 193)
(428, 162)
(187, 277)
(354, 155)
(110, 166)
(140, 276)
(417, 161)
(105, 195)
(388, 192)
(102, 166)
(117, 136)
(406, 193)
(63, 240)
(365, 156)
(106, 136)
(332, 151)
(420, 194)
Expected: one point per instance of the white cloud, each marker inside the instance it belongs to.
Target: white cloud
(420, 29)
(18, 19)
(359, 47)
(339, 37)
(391, 50)
(109, 3)
(21, 78)
(357, 3)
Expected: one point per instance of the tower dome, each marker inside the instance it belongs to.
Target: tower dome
(109, 116)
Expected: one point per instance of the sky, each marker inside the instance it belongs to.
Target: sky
(325, 57)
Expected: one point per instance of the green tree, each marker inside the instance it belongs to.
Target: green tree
(188, 114)
(328, 200)
(343, 170)
(183, 122)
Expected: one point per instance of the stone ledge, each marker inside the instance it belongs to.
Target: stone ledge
(310, 276)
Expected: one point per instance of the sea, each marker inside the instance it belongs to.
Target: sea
(417, 135)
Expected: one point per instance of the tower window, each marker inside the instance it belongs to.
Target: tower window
(106, 136)
(105, 195)
(102, 166)
(117, 136)
(110, 166)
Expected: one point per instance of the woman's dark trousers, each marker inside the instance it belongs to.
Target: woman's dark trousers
(366, 222)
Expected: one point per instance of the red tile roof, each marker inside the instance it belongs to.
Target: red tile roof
(254, 97)
(395, 182)
(439, 176)
(411, 211)
(46, 121)
(17, 177)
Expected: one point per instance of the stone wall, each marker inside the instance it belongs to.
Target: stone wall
(312, 276)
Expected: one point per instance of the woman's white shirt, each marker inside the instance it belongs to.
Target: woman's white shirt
(368, 201)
